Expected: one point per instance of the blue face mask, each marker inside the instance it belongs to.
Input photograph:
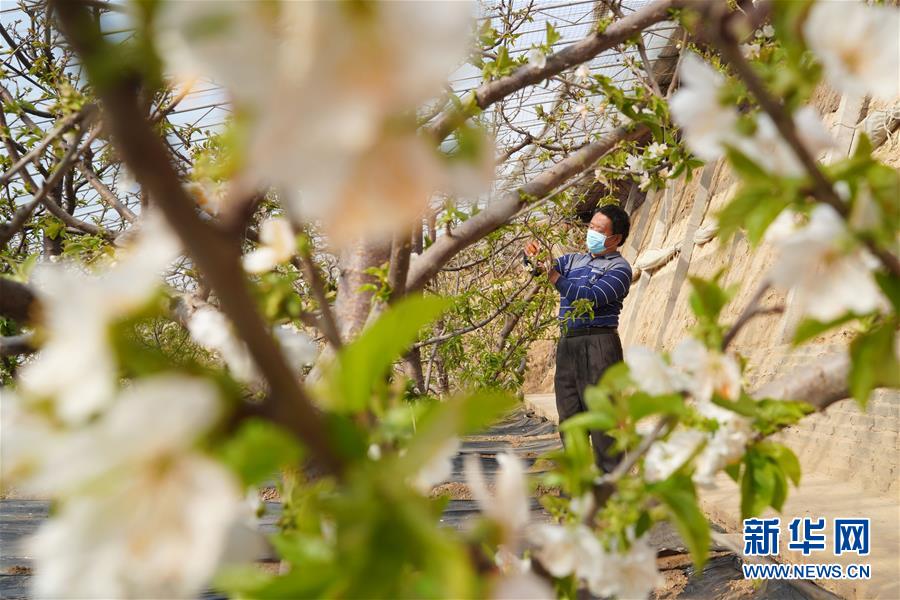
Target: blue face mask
(596, 241)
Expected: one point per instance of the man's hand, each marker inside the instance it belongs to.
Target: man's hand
(532, 251)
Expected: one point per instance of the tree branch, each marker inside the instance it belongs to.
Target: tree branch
(215, 255)
(499, 212)
(17, 301)
(17, 344)
(574, 54)
(473, 326)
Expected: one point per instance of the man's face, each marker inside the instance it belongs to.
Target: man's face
(603, 224)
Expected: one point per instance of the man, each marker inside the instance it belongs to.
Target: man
(589, 341)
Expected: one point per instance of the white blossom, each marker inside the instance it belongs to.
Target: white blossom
(709, 371)
(583, 72)
(635, 163)
(209, 195)
(828, 271)
(769, 149)
(583, 110)
(727, 444)
(522, 586)
(767, 31)
(632, 574)
(655, 150)
(157, 533)
(667, 456)
(644, 183)
(299, 350)
(866, 214)
(438, 467)
(76, 367)
(508, 506)
(786, 224)
(537, 58)
(517, 580)
(651, 373)
(153, 418)
(709, 126)
(211, 329)
(857, 45)
(322, 94)
(277, 244)
(696, 108)
(27, 437)
(374, 452)
(141, 513)
(581, 506)
(750, 50)
(567, 549)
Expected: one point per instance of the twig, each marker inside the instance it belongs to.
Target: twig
(474, 326)
(747, 314)
(314, 278)
(42, 197)
(63, 126)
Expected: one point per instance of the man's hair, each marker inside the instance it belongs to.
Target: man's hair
(621, 222)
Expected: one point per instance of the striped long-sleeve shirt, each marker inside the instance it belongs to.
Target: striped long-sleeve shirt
(601, 280)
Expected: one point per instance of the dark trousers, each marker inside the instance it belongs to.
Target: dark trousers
(580, 362)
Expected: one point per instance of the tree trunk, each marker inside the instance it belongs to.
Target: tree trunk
(353, 304)
(413, 360)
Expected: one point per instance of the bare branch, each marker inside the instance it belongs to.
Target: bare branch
(474, 326)
(570, 56)
(504, 208)
(63, 126)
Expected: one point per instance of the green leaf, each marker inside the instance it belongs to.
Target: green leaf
(361, 365)
(487, 35)
(890, 285)
(779, 489)
(810, 328)
(53, 228)
(587, 421)
(258, 450)
(678, 494)
(642, 404)
(616, 378)
(757, 485)
(708, 298)
(784, 457)
(553, 36)
(753, 208)
(734, 471)
(457, 416)
(873, 361)
(773, 414)
(746, 167)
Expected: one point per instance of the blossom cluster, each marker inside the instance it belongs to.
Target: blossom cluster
(703, 374)
(821, 257)
(326, 95)
(571, 548)
(142, 510)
